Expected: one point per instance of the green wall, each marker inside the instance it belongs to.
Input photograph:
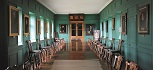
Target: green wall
(11, 53)
(64, 19)
(136, 47)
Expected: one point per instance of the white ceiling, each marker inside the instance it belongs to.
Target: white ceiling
(75, 6)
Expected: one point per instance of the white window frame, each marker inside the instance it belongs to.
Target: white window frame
(20, 36)
(32, 27)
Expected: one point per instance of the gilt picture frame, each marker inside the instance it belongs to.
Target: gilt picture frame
(143, 19)
(13, 21)
(124, 23)
(113, 23)
(46, 27)
(50, 28)
(63, 28)
(38, 28)
(26, 25)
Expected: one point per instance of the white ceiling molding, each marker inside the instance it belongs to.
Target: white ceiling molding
(105, 5)
(75, 6)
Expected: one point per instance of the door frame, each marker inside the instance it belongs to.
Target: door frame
(82, 29)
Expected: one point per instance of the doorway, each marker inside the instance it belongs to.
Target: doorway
(77, 40)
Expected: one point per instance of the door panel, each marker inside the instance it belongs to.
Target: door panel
(76, 30)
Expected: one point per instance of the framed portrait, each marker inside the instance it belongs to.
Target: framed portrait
(50, 28)
(63, 28)
(26, 25)
(124, 23)
(113, 23)
(38, 28)
(107, 26)
(89, 29)
(143, 19)
(13, 21)
(102, 26)
(46, 27)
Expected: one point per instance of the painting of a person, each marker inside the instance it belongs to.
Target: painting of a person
(143, 21)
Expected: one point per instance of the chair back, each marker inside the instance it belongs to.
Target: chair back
(39, 43)
(120, 45)
(46, 42)
(131, 66)
(113, 43)
(119, 62)
(29, 45)
(106, 39)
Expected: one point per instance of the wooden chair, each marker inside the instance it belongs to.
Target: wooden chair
(27, 65)
(118, 62)
(131, 66)
(45, 50)
(34, 55)
(112, 53)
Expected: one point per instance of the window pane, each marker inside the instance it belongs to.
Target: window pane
(73, 26)
(32, 27)
(79, 32)
(73, 32)
(20, 36)
(79, 26)
(42, 28)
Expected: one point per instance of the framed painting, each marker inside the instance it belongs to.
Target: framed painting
(38, 28)
(26, 25)
(113, 23)
(63, 28)
(107, 26)
(13, 21)
(50, 28)
(102, 26)
(46, 27)
(89, 29)
(124, 23)
(143, 19)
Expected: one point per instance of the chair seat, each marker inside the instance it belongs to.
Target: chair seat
(114, 51)
(107, 47)
(45, 47)
(36, 51)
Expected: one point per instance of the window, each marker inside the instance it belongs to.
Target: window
(20, 36)
(32, 27)
(110, 30)
(42, 28)
(48, 26)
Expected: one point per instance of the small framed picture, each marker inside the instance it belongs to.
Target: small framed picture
(46, 27)
(26, 25)
(50, 28)
(90, 29)
(107, 26)
(143, 19)
(63, 28)
(13, 21)
(124, 23)
(38, 26)
(113, 23)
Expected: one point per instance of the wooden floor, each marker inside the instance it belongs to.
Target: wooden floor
(72, 58)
